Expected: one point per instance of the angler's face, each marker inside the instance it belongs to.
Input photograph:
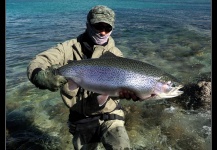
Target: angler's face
(102, 28)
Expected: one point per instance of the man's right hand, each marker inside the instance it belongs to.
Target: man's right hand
(46, 79)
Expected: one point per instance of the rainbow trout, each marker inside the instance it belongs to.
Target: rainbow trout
(110, 74)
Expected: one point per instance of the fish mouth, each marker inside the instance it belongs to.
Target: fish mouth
(174, 92)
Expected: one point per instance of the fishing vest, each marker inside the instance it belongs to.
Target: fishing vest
(80, 100)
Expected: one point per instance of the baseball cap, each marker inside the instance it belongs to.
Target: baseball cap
(101, 13)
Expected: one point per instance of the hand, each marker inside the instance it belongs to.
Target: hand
(128, 95)
(46, 79)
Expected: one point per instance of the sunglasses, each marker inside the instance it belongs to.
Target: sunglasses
(102, 27)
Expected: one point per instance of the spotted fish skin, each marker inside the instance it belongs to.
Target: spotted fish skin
(110, 74)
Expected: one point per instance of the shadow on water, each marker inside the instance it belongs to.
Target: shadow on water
(22, 134)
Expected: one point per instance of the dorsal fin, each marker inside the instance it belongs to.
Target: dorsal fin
(71, 61)
(107, 54)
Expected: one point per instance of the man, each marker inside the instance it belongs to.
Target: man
(88, 122)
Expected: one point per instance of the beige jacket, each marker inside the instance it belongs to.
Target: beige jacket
(81, 102)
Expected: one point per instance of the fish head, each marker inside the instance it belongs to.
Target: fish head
(166, 88)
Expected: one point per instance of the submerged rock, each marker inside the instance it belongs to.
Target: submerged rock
(196, 96)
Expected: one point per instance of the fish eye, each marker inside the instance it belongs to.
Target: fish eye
(173, 85)
(169, 83)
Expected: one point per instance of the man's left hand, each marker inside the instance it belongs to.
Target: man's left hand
(128, 95)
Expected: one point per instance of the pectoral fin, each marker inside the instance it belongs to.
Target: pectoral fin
(72, 85)
(102, 99)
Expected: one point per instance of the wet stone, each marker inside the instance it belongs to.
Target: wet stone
(196, 96)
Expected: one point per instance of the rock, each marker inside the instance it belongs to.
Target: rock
(196, 96)
(204, 95)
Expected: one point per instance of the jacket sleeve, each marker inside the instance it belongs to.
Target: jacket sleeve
(59, 54)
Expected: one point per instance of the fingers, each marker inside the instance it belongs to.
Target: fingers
(59, 80)
(128, 95)
(125, 94)
(54, 82)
